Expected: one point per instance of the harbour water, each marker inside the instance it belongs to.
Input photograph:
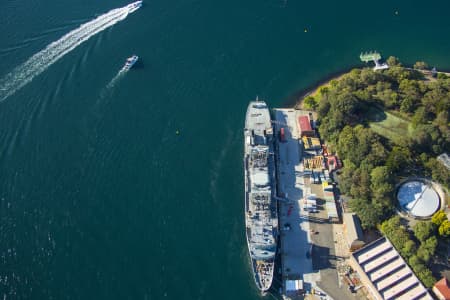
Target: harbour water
(131, 187)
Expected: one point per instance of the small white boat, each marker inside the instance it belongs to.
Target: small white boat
(130, 62)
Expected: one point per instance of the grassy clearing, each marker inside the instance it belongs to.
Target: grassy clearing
(388, 125)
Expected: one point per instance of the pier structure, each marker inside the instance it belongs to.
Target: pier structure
(375, 57)
(297, 271)
(311, 243)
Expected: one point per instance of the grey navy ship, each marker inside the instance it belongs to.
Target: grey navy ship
(261, 218)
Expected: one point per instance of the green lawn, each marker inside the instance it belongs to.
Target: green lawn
(387, 124)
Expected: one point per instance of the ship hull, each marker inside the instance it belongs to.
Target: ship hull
(261, 218)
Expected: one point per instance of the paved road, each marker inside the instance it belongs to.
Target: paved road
(324, 257)
(316, 268)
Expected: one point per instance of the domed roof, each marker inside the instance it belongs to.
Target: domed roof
(418, 198)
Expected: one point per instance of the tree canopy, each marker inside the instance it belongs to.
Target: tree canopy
(372, 162)
(418, 257)
(423, 230)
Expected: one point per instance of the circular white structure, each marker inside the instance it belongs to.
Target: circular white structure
(418, 199)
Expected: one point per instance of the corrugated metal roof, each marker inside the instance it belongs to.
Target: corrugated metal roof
(394, 279)
(304, 123)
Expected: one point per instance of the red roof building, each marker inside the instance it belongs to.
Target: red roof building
(333, 163)
(442, 289)
(304, 126)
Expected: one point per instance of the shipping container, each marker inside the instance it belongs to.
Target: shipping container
(282, 137)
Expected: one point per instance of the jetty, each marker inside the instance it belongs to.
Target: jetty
(375, 57)
(307, 209)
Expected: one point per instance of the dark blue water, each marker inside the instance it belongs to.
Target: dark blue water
(100, 198)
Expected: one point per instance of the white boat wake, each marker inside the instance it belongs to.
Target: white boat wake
(109, 88)
(39, 62)
(116, 78)
(113, 81)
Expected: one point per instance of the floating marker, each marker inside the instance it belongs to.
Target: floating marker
(177, 132)
(396, 12)
(306, 30)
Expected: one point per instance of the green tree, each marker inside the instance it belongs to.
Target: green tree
(346, 177)
(381, 186)
(324, 90)
(436, 99)
(444, 228)
(438, 171)
(428, 138)
(430, 244)
(370, 215)
(384, 96)
(364, 94)
(368, 147)
(420, 117)
(409, 249)
(323, 107)
(393, 61)
(411, 95)
(360, 184)
(442, 76)
(378, 153)
(438, 217)
(390, 225)
(369, 77)
(310, 103)
(415, 261)
(399, 159)
(423, 254)
(421, 271)
(407, 105)
(393, 100)
(442, 119)
(423, 230)
(426, 249)
(421, 65)
(347, 143)
(397, 234)
(344, 109)
(426, 277)
(398, 73)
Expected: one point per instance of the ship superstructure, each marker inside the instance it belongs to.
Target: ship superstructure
(260, 205)
(130, 62)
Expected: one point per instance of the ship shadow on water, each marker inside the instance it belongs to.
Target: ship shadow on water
(276, 289)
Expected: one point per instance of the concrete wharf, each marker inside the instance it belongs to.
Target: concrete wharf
(295, 239)
(311, 246)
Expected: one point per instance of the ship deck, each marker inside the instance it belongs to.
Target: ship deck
(261, 217)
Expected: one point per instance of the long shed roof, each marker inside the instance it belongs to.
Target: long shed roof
(388, 273)
(352, 227)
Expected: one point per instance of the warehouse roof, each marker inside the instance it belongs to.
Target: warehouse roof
(388, 273)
